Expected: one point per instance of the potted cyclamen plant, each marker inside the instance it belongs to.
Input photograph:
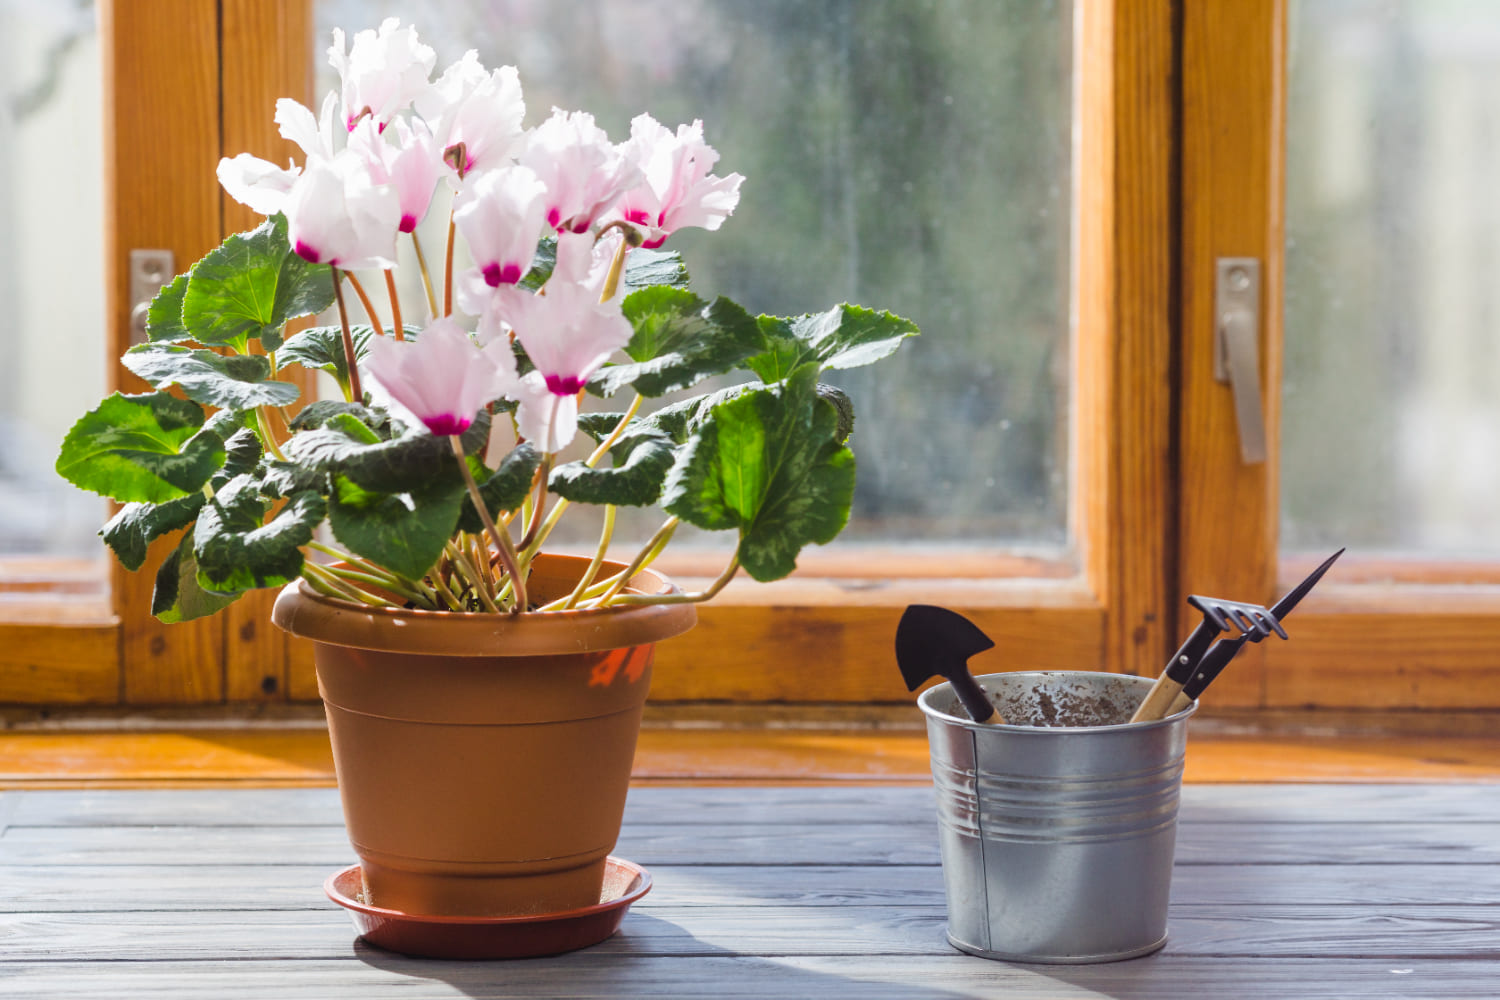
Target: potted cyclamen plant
(483, 694)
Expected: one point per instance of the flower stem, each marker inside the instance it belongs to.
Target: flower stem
(698, 598)
(381, 575)
(502, 541)
(594, 459)
(266, 433)
(426, 277)
(316, 574)
(448, 267)
(364, 300)
(632, 238)
(454, 604)
(471, 573)
(653, 545)
(587, 579)
(390, 289)
(354, 391)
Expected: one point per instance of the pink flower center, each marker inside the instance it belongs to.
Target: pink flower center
(307, 253)
(495, 275)
(444, 424)
(554, 216)
(564, 385)
(639, 216)
(408, 223)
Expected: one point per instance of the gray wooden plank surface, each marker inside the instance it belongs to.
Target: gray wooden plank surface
(47, 888)
(1334, 891)
(707, 806)
(849, 843)
(1255, 932)
(369, 973)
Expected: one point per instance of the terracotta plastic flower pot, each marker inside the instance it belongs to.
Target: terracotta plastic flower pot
(483, 759)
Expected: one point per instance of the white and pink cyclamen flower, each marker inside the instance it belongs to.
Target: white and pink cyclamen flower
(500, 214)
(442, 377)
(568, 335)
(475, 115)
(382, 73)
(584, 172)
(412, 165)
(678, 191)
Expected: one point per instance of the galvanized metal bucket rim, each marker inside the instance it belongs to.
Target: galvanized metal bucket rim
(924, 701)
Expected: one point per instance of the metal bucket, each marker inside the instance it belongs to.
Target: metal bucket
(1057, 829)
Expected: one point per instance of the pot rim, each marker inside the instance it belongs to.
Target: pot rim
(926, 699)
(302, 611)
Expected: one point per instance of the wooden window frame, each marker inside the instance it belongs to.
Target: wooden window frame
(178, 99)
(1379, 633)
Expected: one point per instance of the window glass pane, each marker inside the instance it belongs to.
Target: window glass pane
(51, 215)
(1392, 382)
(915, 156)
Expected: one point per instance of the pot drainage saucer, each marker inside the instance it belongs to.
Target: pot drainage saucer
(526, 936)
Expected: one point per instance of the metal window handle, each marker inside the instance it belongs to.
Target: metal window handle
(149, 271)
(1237, 348)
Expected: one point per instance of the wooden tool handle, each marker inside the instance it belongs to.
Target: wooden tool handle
(975, 701)
(1180, 703)
(1158, 701)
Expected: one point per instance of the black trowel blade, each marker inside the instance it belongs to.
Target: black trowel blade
(933, 641)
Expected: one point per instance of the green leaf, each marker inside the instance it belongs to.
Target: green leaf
(505, 488)
(243, 454)
(237, 551)
(767, 464)
(177, 597)
(248, 287)
(404, 532)
(137, 525)
(598, 425)
(302, 289)
(541, 265)
(283, 479)
(145, 449)
(236, 382)
(164, 317)
(644, 268)
(637, 482)
(322, 348)
(843, 337)
(678, 342)
(413, 461)
(319, 412)
(843, 406)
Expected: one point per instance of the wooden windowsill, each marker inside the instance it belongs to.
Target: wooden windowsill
(700, 745)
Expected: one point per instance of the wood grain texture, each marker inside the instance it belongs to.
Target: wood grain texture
(49, 665)
(804, 653)
(371, 974)
(1231, 150)
(1124, 371)
(1380, 659)
(161, 67)
(1277, 892)
(276, 758)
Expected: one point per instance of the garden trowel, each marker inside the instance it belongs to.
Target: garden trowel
(933, 641)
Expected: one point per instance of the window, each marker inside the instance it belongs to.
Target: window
(1186, 130)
